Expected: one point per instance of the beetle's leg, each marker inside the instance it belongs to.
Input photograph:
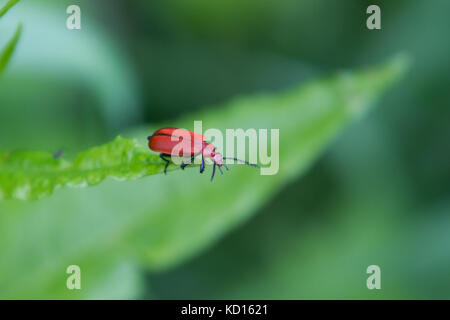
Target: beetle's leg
(220, 169)
(163, 156)
(214, 172)
(183, 165)
(202, 166)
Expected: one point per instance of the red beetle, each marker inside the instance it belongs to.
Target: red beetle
(167, 141)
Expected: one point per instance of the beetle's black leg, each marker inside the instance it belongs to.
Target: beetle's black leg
(214, 172)
(163, 156)
(220, 169)
(202, 166)
(183, 165)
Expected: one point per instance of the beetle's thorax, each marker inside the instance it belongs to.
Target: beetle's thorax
(208, 150)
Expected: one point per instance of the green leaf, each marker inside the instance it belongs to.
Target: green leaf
(33, 175)
(162, 220)
(309, 117)
(102, 72)
(8, 50)
(7, 6)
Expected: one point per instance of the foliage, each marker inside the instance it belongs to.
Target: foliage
(146, 220)
(6, 52)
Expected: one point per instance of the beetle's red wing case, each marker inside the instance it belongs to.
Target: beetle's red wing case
(180, 132)
(176, 142)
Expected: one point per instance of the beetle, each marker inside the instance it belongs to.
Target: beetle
(167, 142)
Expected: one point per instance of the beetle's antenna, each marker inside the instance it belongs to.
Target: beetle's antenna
(214, 172)
(242, 161)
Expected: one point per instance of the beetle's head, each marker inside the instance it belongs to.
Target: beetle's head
(209, 151)
(217, 158)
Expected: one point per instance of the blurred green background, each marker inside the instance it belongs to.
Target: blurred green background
(379, 195)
